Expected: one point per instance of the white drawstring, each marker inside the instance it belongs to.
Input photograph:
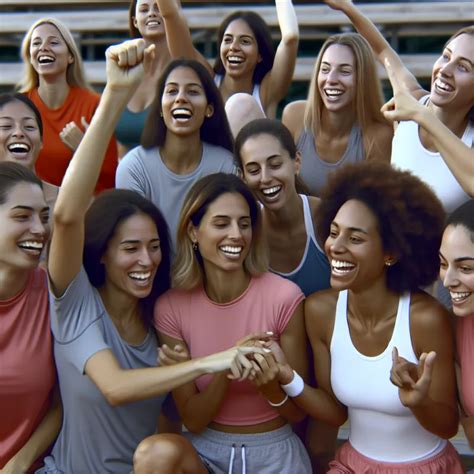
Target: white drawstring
(231, 462)
(242, 453)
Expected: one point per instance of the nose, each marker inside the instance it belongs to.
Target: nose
(447, 68)
(181, 95)
(450, 277)
(333, 75)
(336, 244)
(265, 175)
(38, 227)
(235, 232)
(145, 258)
(235, 44)
(17, 130)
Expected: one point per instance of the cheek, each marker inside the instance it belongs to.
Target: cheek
(467, 281)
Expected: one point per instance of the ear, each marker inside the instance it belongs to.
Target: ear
(209, 110)
(70, 59)
(192, 234)
(297, 163)
(259, 58)
(390, 259)
(135, 22)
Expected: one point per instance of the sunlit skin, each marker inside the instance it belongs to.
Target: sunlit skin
(457, 268)
(184, 102)
(452, 81)
(239, 49)
(269, 170)
(20, 138)
(49, 54)
(148, 20)
(354, 248)
(132, 258)
(336, 78)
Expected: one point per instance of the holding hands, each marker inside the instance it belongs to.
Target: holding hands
(413, 380)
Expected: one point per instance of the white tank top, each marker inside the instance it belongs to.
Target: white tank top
(409, 154)
(381, 428)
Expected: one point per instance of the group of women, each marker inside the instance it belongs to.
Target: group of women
(262, 271)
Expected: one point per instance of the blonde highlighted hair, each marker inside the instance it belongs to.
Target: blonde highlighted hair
(75, 71)
(188, 270)
(368, 97)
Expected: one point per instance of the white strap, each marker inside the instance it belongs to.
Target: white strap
(231, 461)
(244, 465)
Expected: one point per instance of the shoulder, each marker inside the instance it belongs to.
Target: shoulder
(175, 297)
(380, 131)
(209, 149)
(215, 154)
(319, 313)
(314, 203)
(430, 322)
(293, 117)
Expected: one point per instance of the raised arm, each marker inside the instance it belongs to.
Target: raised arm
(378, 43)
(458, 157)
(178, 36)
(124, 71)
(277, 81)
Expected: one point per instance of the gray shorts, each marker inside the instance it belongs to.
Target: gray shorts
(274, 452)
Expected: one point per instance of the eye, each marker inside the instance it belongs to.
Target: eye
(45, 218)
(346, 72)
(130, 249)
(356, 240)
(463, 68)
(30, 128)
(333, 233)
(5, 127)
(155, 247)
(21, 217)
(252, 171)
(324, 70)
(276, 165)
(442, 264)
(246, 41)
(466, 269)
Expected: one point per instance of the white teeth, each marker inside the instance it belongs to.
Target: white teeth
(19, 148)
(440, 84)
(181, 113)
(231, 249)
(153, 23)
(333, 92)
(459, 296)
(31, 245)
(341, 267)
(45, 59)
(140, 275)
(270, 191)
(235, 59)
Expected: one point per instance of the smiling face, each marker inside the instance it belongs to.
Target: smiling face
(354, 248)
(452, 81)
(24, 219)
(184, 103)
(239, 49)
(49, 54)
(457, 268)
(20, 138)
(337, 78)
(269, 170)
(148, 19)
(224, 234)
(132, 257)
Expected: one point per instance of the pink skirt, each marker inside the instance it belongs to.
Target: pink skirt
(350, 461)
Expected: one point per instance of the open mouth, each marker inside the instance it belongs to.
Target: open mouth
(19, 148)
(181, 114)
(141, 278)
(46, 59)
(340, 267)
(442, 86)
(333, 93)
(153, 23)
(235, 60)
(271, 192)
(33, 247)
(231, 251)
(459, 297)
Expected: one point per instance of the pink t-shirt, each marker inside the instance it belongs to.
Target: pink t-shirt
(208, 327)
(27, 371)
(465, 346)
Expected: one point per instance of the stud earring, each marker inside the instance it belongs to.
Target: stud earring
(389, 263)
(195, 246)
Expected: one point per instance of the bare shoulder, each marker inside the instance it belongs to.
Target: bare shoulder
(293, 117)
(319, 314)
(430, 322)
(380, 136)
(314, 203)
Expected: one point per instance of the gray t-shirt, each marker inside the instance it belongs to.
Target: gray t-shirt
(95, 436)
(144, 171)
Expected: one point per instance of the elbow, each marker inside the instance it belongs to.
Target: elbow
(114, 396)
(62, 217)
(194, 426)
(291, 38)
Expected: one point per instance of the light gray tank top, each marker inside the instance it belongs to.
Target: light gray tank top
(314, 170)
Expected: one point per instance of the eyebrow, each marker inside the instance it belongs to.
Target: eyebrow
(352, 229)
(195, 84)
(240, 36)
(341, 64)
(223, 216)
(462, 58)
(271, 157)
(459, 259)
(131, 241)
(29, 208)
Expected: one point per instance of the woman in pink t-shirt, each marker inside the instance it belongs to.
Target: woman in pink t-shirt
(457, 273)
(223, 292)
(29, 407)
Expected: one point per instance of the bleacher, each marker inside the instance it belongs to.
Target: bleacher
(98, 23)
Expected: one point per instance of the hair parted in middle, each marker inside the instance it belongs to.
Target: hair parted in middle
(409, 215)
(368, 98)
(188, 269)
(214, 130)
(463, 216)
(75, 72)
(12, 97)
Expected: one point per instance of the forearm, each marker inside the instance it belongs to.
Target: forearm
(202, 407)
(39, 441)
(468, 426)
(437, 418)
(287, 20)
(456, 154)
(289, 410)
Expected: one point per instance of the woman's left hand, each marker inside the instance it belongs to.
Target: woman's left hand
(413, 380)
(71, 135)
(168, 356)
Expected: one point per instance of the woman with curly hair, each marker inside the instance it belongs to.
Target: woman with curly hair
(434, 136)
(457, 274)
(247, 62)
(383, 348)
(54, 80)
(340, 122)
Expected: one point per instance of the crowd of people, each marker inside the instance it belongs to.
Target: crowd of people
(276, 277)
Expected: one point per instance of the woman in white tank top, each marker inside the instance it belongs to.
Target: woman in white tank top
(383, 349)
(439, 129)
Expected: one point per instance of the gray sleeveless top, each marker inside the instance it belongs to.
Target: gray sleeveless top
(314, 170)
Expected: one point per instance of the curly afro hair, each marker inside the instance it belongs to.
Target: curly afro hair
(410, 218)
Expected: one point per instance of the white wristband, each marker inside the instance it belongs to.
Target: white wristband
(295, 387)
(279, 404)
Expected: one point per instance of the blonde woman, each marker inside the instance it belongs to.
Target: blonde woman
(54, 81)
(435, 137)
(222, 291)
(340, 122)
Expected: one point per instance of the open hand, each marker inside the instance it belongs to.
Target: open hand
(413, 380)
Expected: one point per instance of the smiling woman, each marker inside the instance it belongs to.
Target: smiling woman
(186, 137)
